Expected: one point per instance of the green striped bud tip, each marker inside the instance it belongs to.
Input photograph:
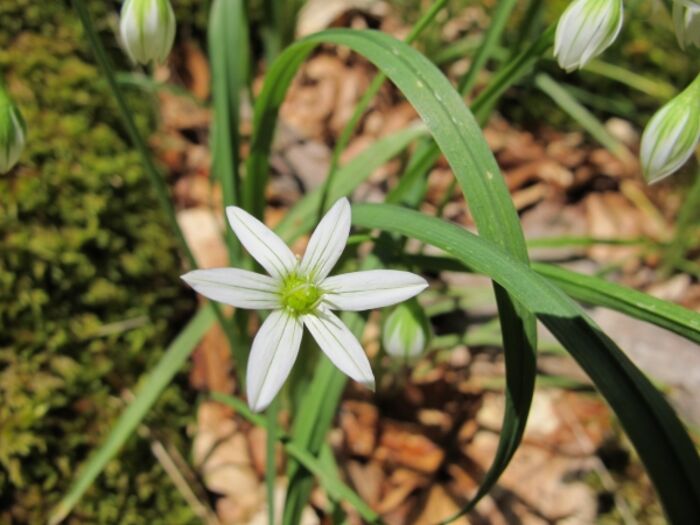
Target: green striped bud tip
(585, 30)
(406, 331)
(686, 20)
(147, 29)
(13, 132)
(672, 134)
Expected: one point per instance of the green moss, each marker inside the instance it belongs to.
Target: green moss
(89, 288)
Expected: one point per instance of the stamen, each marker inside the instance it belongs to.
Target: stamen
(300, 295)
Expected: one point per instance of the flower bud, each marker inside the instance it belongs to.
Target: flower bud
(147, 29)
(406, 331)
(686, 20)
(585, 30)
(12, 132)
(672, 134)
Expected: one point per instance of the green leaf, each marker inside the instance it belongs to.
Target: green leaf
(656, 88)
(229, 55)
(651, 424)
(150, 388)
(498, 22)
(595, 291)
(580, 114)
(600, 292)
(461, 141)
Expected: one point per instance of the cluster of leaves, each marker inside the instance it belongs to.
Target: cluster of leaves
(89, 289)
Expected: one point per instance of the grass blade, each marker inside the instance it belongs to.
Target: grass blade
(229, 53)
(594, 290)
(656, 88)
(150, 387)
(229, 56)
(580, 114)
(662, 443)
(491, 40)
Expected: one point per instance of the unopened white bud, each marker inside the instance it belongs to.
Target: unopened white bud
(147, 29)
(13, 132)
(406, 331)
(672, 134)
(686, 20)
(585, 30)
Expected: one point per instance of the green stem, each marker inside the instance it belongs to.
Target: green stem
(152, 172)
(686, 220)
(530, 23)
(270, 464)
(491, 39)
(512, 73)
(349, 128)
(228, 54)
(335, 487)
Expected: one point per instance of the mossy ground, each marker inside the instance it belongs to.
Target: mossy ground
(89, 288)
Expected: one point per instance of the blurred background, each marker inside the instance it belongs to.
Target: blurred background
(90, 293)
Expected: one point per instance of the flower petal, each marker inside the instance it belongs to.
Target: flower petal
(341, 347)
(371, 289)
(262, 244)
(274, 351)
(239, 288)
(327, 242)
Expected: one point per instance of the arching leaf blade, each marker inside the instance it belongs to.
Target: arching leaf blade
(660, 439)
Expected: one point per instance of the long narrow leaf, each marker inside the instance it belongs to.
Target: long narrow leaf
(460, 139)
(594, 291)
(229, 57)
(642, 306)
(151, 386)
(651, 424)
(580, 114)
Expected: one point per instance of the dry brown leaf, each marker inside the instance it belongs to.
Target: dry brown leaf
(211, 363)
(439, 506)
(404, 445)
(203, 233)
(367, 480)
(197, 66)
(359, 423)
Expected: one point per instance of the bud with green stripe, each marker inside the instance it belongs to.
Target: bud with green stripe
(147, 29)
(13, 132)
(672, 134)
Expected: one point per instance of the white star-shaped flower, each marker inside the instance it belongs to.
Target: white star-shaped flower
(300, 293)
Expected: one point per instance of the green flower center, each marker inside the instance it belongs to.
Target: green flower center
(299, 295)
